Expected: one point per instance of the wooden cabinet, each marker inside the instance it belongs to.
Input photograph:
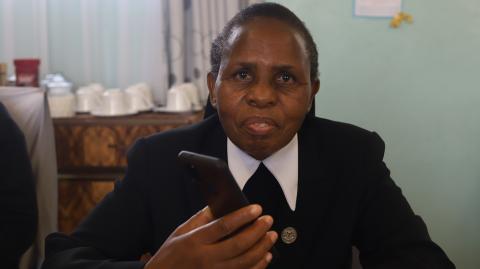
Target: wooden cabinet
(91, 155)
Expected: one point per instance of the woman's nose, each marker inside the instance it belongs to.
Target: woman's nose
(261, 95)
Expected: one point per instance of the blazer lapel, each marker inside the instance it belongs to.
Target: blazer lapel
(315, 185)
(215, 142)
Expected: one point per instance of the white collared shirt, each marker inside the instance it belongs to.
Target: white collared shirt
(283, 164)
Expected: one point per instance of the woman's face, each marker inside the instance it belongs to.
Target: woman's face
(263, 89)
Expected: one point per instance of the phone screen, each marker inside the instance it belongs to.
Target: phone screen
(216, 183)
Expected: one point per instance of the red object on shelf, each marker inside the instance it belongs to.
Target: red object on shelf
(26, 72)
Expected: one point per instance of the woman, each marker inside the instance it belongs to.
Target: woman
(321, 184)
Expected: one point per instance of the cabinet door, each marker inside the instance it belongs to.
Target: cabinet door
(80, 146)
(100, 146)
(76, 198)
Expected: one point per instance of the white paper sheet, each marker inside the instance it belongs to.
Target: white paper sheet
(377, 8)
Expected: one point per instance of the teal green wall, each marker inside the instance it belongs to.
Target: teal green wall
(418, 87)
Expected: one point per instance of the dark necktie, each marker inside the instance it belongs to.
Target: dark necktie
(263, 188)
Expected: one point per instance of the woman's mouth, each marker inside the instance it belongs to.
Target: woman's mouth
(259, 126)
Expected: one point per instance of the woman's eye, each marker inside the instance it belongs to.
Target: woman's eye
(242, 75)
(285, 78)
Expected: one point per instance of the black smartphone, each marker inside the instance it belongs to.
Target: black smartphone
(216, 183)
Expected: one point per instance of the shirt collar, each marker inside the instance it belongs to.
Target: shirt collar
(283, 164)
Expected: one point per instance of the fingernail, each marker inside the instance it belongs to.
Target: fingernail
(255, 209)
(273, 236)
(267, 219)
(268, 257)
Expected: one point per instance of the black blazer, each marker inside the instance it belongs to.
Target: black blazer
(345, 197)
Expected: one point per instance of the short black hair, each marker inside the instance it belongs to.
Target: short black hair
(268, 10)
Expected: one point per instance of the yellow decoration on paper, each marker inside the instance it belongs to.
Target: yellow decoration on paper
(399, 18)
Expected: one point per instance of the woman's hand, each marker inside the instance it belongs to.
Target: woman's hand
(202, 242)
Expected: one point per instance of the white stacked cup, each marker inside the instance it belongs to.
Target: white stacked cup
(88, 98)
(177, 100)
(192, 93)
(114, 103)
(139, 97)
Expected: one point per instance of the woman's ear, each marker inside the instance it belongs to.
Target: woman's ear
(211, 78)
(315, 89)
